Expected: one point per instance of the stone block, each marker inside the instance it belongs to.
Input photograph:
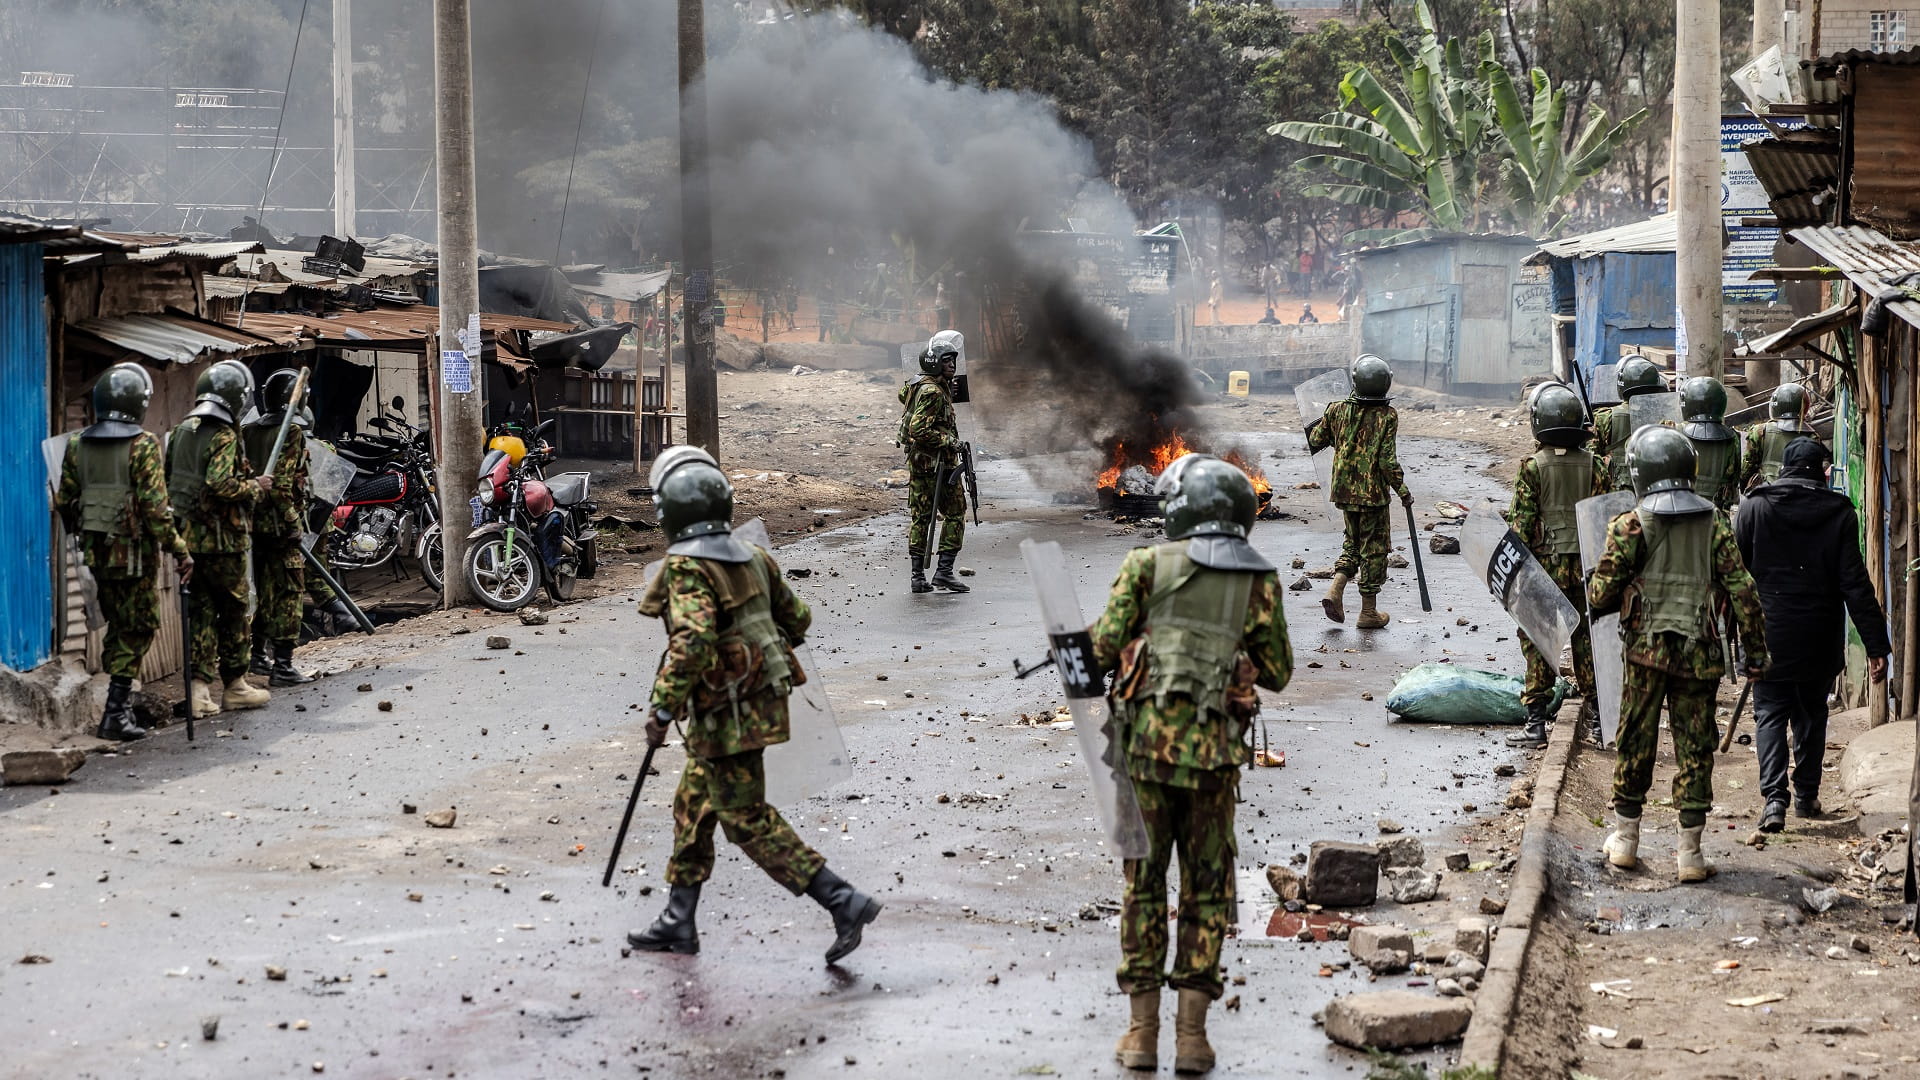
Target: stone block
(1412, 884)
(1383, 949)
(1396, 1019)
(1473, 935)
(1340, 874)
(1285, 881)
(1402, 851)
(41, 766)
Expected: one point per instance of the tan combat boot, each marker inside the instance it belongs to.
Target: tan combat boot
(1371, 618)
(1191, 1051)
(1140, 1047)
(1693, 865)
(1335, 602)
(242, 694)
(200, 699)
(1623, 844)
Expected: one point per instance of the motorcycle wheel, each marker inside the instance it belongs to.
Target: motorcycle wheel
(500, 583)
(590, 556)
(560, 582)
(433, 559)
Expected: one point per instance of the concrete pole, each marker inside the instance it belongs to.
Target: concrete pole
(459, 424)
(1696, 183)
(346, 208)
(696, 234)
(1769, 30)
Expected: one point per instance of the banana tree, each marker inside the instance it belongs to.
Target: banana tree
(1539, 165)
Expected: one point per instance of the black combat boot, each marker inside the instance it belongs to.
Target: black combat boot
(944, 577)
(260, 665)
(116, 720)
(284, 673)
(851, 910)
(1534, 735)
(340, 615)
(920, 574)
(674, 930)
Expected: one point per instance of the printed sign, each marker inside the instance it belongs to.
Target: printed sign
(456, 373)
(1749, 248)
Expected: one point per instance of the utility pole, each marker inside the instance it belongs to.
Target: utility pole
(459, 420)
(346, 208)
(696, 234)
(1696, 184)
(1769, 31)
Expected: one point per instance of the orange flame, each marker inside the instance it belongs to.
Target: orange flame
(1171, 449)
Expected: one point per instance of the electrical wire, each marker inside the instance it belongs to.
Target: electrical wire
(579, 122)
(273, 160)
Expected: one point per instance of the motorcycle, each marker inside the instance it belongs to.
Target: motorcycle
(529, 529)
(391, 505)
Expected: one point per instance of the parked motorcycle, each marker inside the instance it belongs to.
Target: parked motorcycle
(391, 505)
(529, 531)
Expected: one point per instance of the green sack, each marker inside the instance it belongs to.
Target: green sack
(1446, 694)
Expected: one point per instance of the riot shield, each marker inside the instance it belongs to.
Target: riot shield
(328, 474)
(1509, 570)
(1603, 386)
(1647, 409)
(1313, 397)
(1093, 724)
(1609, 667)
(54, 450)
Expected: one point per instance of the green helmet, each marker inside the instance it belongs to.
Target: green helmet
(222, 391)
(1703, 405)
(672, 458)
(1372, 378)
(1639, 375)
(1211, 504)
(1789, 407)
(1662, 462)
(696, 512)
(278, 390)
(120, 397)
(1557, 416)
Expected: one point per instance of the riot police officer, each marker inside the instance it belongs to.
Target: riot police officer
(1667, 563)
(113, 497)
(1613, 426)
(930, 432)
(1364, 432)
(731, 623)
(1190, 628)
(213, 488)
(1766, 444)
(279, 519)
(1716, 447)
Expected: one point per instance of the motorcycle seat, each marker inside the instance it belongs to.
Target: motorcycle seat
(368, 452)
(376, 488)
(569, 488)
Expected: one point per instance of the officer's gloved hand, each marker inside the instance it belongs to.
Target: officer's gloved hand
(183, 565)
(657, 727)
(1406, 499)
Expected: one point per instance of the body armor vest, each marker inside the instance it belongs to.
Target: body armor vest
(187, 464)
(1566, 477)
(106, 485)
(1619, 430)
(1710, 475)
(1676, 580)
(909, 396)
(257, 439)
(1773, 451)
(1195, 620)
(751, 654)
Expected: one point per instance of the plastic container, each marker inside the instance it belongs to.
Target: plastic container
(1238, 383)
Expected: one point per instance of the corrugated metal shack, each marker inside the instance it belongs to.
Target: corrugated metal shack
(1613, 293)
(1456, 312)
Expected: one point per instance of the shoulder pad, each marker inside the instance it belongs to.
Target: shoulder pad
(1707, 431)
(110, 429)
(1226, 553)
(213, 410)
(719, 547)
(1674, 504)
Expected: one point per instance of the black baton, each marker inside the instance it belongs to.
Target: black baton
(626, 819)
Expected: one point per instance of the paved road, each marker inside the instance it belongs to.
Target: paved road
(162, 883)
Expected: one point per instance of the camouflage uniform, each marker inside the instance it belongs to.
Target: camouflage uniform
(1184, 761)
(1366, 472)
(1612, 426)
(279, 570)
(1681, 669)
(705, 666)
(931, 435)
(1560, 563)
(124, 561)
(213, 497)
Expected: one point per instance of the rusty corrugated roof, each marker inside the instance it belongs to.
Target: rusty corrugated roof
(404, 328)
(1868, 259)
(179, 338)
(1801, 173)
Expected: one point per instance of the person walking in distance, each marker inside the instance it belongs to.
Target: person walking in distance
(113, 498)
(1766, 444)
(1216, 292)
(930, 433)
(1560, 473)
(1801, 541)
(213, 489)
(1190, 628)
(1364, 432)
(279, 519)
(732, 624)
(1666, 565)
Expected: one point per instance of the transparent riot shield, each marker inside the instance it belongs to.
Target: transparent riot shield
(1648, 409)
(1093, 724)
(1313, 397)
(1609, 667)
(814, 757)
(54, 451)
(1505, 565)
(1603, 386)
(328, 474)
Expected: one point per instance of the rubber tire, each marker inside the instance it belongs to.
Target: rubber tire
(590, 557)
(432, 557)
(522, 554)
(560, 586)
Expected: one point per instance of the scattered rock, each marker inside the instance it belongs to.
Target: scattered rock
(384, 706)
(1459, 964)
(1301, 584)
(1820, 901)
(1491, 906)
(1402, 851)
(441, 819)
(1388, 826)
(1498, 770)
(365, 688)
(1837, 1027)
(1412, 884)
(1395, 1019)
(210, 1027)
(1858, 944)
(531, 616)
(1299, 563)
(499, 641)
(1340, 874)
(1397, 562)
(41, 766)
(1473, 935)
(1384, 950)
(965, 571)
(1442, 544)
(275, 973)
(1457, 860)
(1285, 882)
(1447, 987)
(409, 808)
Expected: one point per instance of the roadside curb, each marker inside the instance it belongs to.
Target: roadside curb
(1493, 1009)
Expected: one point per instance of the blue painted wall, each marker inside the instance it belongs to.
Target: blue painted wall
(26, 583)
(1620, 300)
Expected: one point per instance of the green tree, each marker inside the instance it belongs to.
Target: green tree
(1543, 161)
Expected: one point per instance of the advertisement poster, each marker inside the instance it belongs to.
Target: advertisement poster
(1748, 248)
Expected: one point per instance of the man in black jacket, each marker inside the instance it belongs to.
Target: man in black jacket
(1801, 542)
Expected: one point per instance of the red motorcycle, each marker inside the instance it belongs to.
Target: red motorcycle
(529, 531)
(391, 505)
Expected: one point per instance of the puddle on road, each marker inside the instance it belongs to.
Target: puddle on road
(1288, 924)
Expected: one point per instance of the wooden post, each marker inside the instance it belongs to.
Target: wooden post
(1874, 503)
